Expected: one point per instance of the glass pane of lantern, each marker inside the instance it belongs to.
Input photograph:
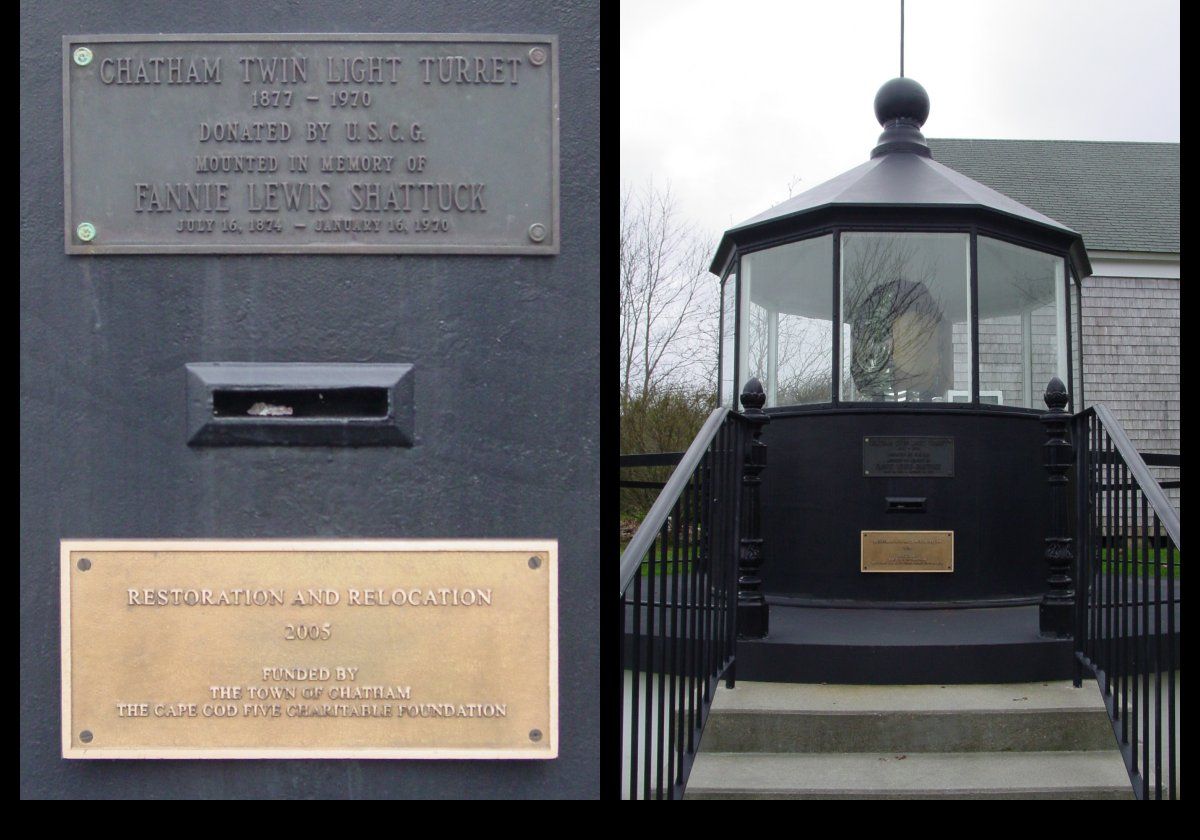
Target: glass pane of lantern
(906, 317)
(1022, 322)
(728, 325)
(789, 343)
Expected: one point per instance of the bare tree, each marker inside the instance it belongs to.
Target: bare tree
(668, 298)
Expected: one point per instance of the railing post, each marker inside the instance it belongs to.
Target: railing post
(752, 610)
(1084, 576)
(1055, 617)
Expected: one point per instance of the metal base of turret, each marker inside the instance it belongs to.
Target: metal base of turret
(890, 646)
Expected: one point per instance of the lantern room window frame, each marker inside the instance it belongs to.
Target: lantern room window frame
(1020, 236)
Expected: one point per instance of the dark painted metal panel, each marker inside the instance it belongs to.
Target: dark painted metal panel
(505, 360)
(817, 501)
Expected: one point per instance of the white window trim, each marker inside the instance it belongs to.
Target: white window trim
(1134, 264)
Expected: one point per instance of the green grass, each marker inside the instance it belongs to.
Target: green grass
(674, 555)
(1141, 563)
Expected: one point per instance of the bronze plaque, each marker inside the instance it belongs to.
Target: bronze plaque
(908, 456)
(331, 143)
(908, 551)
(309, 649)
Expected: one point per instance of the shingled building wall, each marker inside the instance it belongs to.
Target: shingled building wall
(1131, 359)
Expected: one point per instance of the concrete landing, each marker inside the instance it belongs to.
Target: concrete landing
(1042, 740)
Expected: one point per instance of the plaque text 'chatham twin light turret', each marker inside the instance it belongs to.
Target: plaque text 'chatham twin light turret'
(311, 143)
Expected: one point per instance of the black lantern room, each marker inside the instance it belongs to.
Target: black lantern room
(902, 306)
(900, 281)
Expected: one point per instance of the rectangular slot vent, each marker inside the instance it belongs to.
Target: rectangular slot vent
(905, 504)
(299, 404)
(309, 402)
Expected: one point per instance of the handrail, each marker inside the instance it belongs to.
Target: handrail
(1127, 605)
(1140, 472)
(631, 557)
(680, 602)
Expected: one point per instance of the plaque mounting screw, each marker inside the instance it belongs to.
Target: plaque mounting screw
(82, 56)
(537, 232)
(86, 232)
(537, 56)
(84, 564)
(86, 736)
(535, 734)
(534, 562)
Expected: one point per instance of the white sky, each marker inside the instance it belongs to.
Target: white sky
(728, 102)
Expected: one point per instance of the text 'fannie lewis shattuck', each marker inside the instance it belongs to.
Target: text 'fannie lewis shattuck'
(311, 143)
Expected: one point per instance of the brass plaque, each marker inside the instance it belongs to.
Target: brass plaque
(311, 143)
(908, 551)
(309, 649)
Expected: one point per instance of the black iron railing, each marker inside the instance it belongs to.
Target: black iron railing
(679, 608)
(642, 461)
(1127, 598)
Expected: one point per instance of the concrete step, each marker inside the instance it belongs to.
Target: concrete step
(1009, 741)
(977, 775)
(793, 718)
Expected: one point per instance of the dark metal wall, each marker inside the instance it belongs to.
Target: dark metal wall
(506, 367)
(817, 501)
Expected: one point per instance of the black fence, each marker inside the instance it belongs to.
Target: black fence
(653, 459)
(678, 609)
(1127, 597)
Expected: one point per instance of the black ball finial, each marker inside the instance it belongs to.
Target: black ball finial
(902, 99)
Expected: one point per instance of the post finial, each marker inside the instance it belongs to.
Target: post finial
(1056, 395)
(753, 397)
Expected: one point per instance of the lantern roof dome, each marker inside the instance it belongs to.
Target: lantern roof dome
(899, 181)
